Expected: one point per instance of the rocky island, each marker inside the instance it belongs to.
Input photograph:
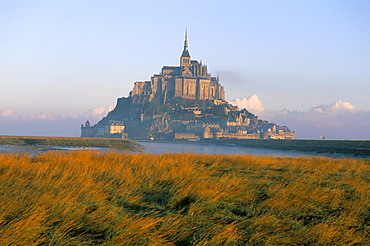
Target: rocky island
(182, 102)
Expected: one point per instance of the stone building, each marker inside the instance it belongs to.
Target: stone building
(111, 128)
(190, 80)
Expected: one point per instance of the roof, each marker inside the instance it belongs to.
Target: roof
(185, 53)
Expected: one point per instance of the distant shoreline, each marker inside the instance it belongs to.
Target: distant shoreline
(356, 148)
(349, 148)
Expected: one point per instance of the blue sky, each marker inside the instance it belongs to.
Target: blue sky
(67, 58)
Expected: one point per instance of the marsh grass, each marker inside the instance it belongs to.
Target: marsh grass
(120, 144)
(91, 198)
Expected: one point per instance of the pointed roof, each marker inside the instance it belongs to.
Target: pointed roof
(185, 52)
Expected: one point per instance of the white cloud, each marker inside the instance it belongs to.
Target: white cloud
(334, 108)
(100, 112)
(251, 103)
(6, 113)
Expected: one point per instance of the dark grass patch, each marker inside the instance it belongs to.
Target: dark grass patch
(120, 144)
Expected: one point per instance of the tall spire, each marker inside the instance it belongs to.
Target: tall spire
(186, 39)
(185, 52)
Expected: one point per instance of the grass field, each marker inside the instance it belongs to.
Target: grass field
(120, 144)
(91, 198)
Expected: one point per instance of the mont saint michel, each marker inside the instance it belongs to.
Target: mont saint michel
(182, 102)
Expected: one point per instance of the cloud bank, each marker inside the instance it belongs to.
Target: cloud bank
(336, 120)
(48, 124)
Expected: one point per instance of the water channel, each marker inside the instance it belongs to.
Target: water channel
(157, 147)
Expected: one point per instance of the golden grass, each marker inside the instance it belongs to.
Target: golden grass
(91, 198)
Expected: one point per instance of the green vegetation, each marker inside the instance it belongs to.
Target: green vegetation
(219, 111)
(215, 113)
(120, 144)
(91, 198)
(349, 147)
(154, 107)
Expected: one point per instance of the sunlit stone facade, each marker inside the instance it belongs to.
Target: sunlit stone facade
(190, 80)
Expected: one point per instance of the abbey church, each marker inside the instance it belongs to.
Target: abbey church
(181, 103)
(190, 80)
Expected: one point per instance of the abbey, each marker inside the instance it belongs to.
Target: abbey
(182, 102)
(190, 80)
